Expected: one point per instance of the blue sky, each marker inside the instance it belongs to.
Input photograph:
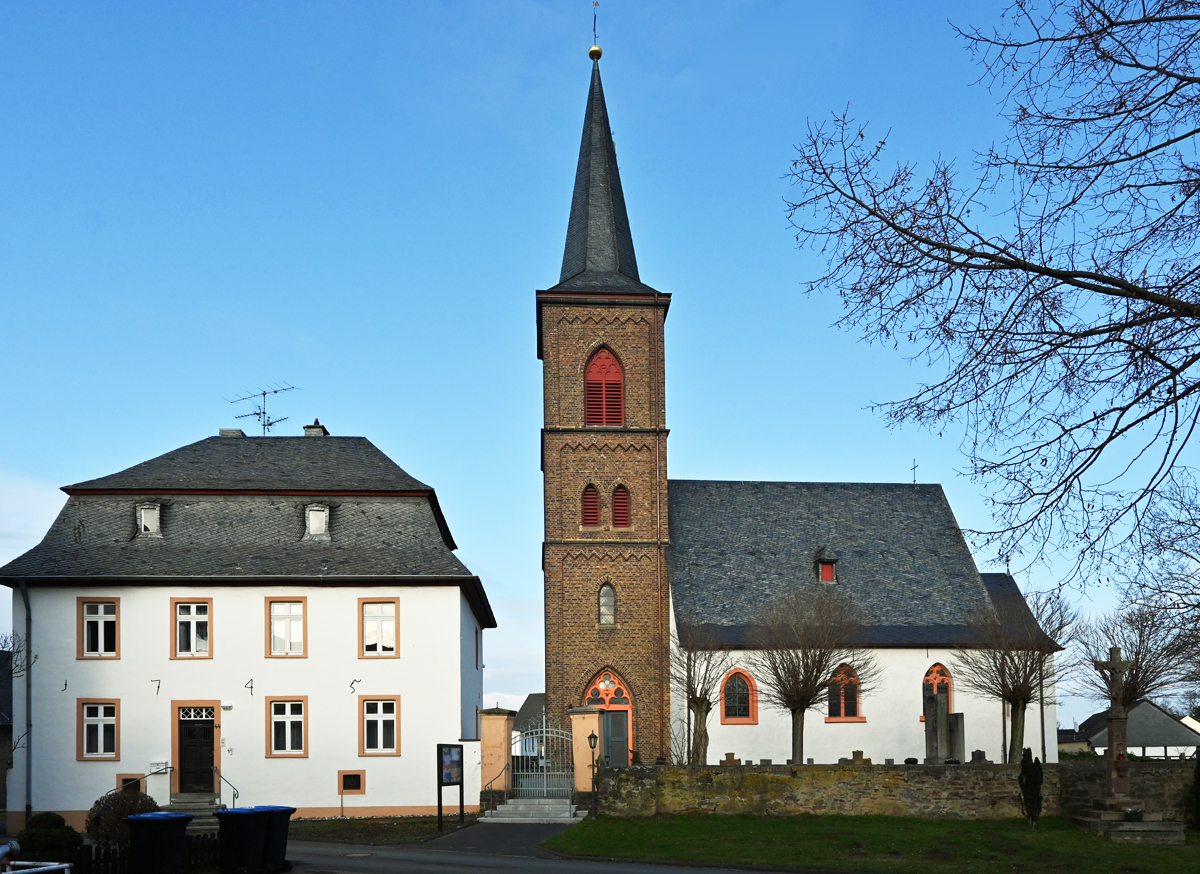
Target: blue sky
(197, 199)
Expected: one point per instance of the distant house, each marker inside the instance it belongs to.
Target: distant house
(281, 614)
(1152, 732)
(529, 718)
(1072, 740)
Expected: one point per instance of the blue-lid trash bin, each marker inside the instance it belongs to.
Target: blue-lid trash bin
(242, 840)
(278, 820)
(157, 842)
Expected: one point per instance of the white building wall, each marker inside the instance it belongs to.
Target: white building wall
(430, 677)
(471, 637)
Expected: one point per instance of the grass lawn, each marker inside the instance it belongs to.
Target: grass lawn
(874, 844)
(384, 830)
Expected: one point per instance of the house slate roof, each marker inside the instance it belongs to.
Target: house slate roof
(232, 510)
(530, 714)
(735, 547)
(1149, 726)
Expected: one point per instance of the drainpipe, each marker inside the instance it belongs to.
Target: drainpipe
(24, 589)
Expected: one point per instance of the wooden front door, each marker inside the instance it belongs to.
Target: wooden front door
(196, 755)
(616, 737)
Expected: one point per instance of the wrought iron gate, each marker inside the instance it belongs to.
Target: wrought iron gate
(542, 762)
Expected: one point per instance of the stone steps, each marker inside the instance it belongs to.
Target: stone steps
(534, 810)
(1156, 832)
(202, 807)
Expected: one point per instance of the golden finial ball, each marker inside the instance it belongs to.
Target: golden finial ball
(595, 52)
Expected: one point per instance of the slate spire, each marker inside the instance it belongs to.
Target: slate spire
(599, 250)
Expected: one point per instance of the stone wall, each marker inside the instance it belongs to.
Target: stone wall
(933, 791)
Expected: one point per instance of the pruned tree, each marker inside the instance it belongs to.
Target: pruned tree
(21, 658)
(800, 643)
(1011, 657)
(699, 661)
(1162, 656)
(1054, 285)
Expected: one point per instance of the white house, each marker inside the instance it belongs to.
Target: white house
(896, 550)
(283, 615)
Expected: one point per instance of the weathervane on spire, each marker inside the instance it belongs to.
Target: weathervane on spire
(595, 51)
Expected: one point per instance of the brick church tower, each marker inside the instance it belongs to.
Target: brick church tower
(604, 463)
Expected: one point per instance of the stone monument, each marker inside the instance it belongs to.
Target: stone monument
(1116, 755)
(944, 731)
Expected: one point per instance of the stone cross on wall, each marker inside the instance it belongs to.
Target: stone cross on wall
(1116, 756)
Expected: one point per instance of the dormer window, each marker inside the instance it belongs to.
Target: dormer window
(148, 520)
(316, 522)
(825, 570)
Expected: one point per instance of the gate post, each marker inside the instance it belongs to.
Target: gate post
(584, 720)
(495, 745)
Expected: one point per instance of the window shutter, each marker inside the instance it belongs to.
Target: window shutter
(604, 390)
(591, 507)
(620, 507)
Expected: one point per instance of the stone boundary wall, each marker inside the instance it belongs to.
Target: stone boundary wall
(932, 791)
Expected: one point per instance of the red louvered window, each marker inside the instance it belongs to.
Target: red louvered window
(620, 506)
(827, 572)
(591, 507)
(604, 390)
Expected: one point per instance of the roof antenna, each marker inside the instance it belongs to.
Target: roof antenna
(260, 409)
(914, 471)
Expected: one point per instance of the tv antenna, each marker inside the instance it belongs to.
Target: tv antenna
(260, 409)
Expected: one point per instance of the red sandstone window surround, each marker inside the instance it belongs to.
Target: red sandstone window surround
(844, 705)
(604, 390)
(620, 507)
(739, 699)
(591, 507)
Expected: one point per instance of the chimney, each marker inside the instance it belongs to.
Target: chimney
(316, 429)
(232, 432)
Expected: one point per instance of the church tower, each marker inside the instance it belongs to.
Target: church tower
(604, 464)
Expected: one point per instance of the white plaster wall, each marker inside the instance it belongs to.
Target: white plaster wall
(472, 673)
(893, 727)
(428, 677)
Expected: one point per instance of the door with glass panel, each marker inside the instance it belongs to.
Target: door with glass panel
(197, 732)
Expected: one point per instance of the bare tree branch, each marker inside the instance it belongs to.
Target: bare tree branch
(698, 663)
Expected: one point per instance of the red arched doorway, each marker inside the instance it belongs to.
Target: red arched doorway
(610, 693)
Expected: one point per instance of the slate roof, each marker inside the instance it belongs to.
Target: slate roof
(324, 464)
(738, 546)
(232, 510)
(599, 251)
(530, 714)
(1149, 726)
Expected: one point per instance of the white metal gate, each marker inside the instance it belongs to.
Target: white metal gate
(543, 762)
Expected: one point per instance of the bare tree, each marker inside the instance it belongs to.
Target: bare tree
(21, 660)
(1013, 655)
(1056, 284)
(1162, 654)
(800, 644)
(699, 661)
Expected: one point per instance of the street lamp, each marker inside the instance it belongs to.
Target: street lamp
(592, 743)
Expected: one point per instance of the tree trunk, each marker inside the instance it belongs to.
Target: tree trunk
(797, 737)
(698, 754)
(1016, 741)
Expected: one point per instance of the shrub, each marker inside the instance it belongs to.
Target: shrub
(106, 819)
(1029, 781)
(48, 838)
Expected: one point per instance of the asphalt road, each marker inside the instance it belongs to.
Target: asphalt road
(482, 847)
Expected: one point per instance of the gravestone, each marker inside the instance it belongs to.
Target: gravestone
(945, 735)
(857, 758)
(729, 760)
(979, 757)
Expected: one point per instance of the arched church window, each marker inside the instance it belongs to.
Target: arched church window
(591, 507)
(604, 390)
(620, 507)
(938, 678)
(608, 605)
(844, 696)
(739, 699)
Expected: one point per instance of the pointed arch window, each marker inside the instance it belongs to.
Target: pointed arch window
(591, 507)
(739, 699)
(604, 390)
(620, 507)
(844, 704)
(938, 677)
(607, 605)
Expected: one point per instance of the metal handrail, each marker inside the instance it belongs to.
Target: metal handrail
(492, 792)
(164, 770)
(221, 777)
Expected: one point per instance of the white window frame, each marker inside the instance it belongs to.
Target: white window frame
(288, 627)
(375, 716)
(97, 718)
(149, 520)
(291, 717)
(99, 620)
(190, 622)
(316, 522)
(378, 621)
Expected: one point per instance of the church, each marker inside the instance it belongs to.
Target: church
(633, 559)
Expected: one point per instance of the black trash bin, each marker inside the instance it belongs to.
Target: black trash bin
(242, 840)
(157, 842)
(278, 820)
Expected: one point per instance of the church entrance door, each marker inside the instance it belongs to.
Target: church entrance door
(609, 692)
(616, 737)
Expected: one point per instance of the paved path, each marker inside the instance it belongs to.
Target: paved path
(484, 847)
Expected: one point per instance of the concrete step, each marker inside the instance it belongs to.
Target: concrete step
(533, 810)
(1146, 832)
